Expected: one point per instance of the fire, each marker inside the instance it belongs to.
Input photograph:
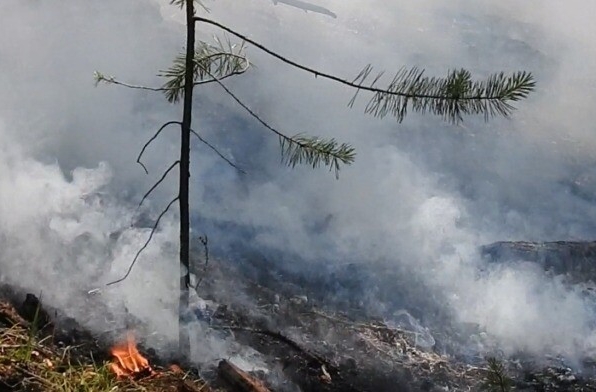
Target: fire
(128, 361)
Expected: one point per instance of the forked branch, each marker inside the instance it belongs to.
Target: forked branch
(163, 177)
(153, 230)
(151, 140)
(201, 139)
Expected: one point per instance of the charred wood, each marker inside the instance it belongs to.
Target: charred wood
(314, 359)
(239, 379)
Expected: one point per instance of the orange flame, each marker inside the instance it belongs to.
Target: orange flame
(128, 361)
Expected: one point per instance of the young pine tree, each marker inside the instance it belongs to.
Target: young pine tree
(451, 97)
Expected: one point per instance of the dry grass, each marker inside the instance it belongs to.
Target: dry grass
(29, 363)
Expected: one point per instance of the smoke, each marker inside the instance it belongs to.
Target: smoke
(415, 206)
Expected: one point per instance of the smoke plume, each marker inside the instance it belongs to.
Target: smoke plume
(412, 210)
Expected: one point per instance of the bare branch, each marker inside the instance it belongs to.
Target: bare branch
(151, 140)
(217, 152)
(163, 177)
(153, 230)
(205, 241)
(101, 78)
(301, 148)
(250, 111)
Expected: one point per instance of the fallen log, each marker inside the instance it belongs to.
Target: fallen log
(239, 379)
(315, 358)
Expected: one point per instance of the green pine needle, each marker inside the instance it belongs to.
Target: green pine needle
(220, 61)
(313, 151)
(451, 97)
(182, 3)
(497, 379)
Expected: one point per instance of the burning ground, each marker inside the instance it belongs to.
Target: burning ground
(276, 341)
(39, 354)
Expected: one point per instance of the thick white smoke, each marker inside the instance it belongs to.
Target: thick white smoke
(422, 196)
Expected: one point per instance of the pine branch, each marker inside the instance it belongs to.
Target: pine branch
(153, 230)
(224, 60)
(450, 97)
(303, 149)
(497, 379)
(182, 3)
(101, 78)
(314, 151)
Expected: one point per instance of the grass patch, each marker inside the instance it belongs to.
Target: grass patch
(30, 363)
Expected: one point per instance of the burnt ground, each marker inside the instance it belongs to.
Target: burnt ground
(320, 351)
(575, 259)
(308, 346)
(318, 348)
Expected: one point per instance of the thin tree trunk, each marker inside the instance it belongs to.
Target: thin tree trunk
(184, 339)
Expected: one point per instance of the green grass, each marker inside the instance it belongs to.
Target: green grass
(32, 364)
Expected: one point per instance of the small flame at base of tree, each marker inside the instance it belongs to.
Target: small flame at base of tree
(128, 361)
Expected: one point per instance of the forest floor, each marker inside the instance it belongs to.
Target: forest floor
(301, 345)
(32, 359)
